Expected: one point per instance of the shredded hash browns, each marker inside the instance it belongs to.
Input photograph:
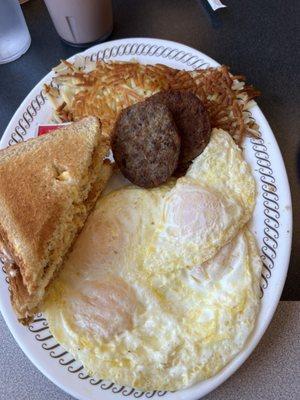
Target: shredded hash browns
(103, 89)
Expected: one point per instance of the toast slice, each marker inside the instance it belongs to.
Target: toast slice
(48, 186)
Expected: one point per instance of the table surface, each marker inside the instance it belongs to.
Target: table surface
(256, 38)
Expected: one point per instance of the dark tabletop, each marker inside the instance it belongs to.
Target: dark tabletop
(256, 38)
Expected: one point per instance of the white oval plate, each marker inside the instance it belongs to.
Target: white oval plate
(272, 225)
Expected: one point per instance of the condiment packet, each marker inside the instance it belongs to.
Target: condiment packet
(42, 129)
(215, 4)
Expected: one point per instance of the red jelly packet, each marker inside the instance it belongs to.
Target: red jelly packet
(42, 129)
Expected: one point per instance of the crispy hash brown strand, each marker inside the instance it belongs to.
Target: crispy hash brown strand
(105, 88)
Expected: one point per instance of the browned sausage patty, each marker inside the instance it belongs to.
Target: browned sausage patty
(146, 144)
(192, 121)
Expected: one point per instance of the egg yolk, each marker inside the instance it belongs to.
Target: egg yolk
(193, 210)
(107, 239)
(101, 245)
(104, 308)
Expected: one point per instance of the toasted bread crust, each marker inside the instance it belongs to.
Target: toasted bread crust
(48, 186)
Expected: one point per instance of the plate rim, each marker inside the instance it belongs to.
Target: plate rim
(244, 354)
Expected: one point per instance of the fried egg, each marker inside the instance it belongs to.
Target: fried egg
(206, 208)
(222, 166)
(161, 289)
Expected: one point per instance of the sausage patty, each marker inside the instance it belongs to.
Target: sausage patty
(146, 144)
(191, 119)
